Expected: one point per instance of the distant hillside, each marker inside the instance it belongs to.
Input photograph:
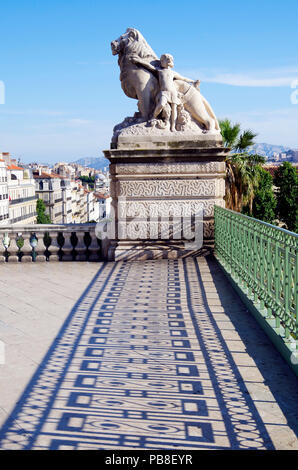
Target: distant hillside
(269, 149)
(98, 163)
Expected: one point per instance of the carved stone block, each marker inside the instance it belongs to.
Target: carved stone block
(165, 199)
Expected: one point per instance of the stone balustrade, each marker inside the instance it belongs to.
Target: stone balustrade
(35, 243)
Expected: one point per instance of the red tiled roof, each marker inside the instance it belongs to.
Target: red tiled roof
(14, 167)
(44, 175)
(272, 169)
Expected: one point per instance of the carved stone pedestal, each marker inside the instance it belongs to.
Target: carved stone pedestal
(164, 197)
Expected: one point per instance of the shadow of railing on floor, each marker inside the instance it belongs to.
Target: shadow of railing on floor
(139, 386)
(276, 373)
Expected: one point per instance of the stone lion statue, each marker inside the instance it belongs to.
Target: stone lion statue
(136, 82)
(142, 83)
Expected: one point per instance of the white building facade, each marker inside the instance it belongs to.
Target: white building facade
(4, 198)
(21, 194)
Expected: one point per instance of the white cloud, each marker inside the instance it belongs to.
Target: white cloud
(279, 77)
(278, 127)
(246, 81)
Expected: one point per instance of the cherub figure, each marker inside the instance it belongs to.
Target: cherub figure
(168, 92)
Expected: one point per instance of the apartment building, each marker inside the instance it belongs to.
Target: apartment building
(65, 170)
(48, 188)
(66, 200)
(4, 198)
(104, 204)
(82, 204)
(21, 195)
(93, 208)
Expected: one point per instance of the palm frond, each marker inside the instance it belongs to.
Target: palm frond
(229, 132)
(245, 140)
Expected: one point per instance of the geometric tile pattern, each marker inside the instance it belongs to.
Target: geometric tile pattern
(139, 363)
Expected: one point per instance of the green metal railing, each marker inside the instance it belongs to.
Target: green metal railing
(262, 260)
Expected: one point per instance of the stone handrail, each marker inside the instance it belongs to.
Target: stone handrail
(63, 242)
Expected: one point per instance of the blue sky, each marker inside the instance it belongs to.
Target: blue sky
(62, 88)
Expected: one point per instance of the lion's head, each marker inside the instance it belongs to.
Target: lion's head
(132, 43)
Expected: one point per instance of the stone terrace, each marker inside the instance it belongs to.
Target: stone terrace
(153, 355)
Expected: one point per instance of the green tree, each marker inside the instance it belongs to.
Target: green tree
(286, 182)
(264, 202)
(42, 217)
(90, 180)
(242, 173)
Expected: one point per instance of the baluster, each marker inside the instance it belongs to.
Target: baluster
(67, 247)
(94, 248)
(2, 249)
(54, 247)
(26, 248)
(39, 247)
(81, 247)
(13, 249)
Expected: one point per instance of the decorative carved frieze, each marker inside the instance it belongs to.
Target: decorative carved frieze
(171, 188)
(168, 168)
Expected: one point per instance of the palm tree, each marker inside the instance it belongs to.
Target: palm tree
(242, 175)
(229, 132)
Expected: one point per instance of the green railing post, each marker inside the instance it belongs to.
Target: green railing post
(296, 299)
(277, 277)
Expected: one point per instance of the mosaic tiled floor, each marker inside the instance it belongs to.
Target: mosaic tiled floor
(139, 363)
